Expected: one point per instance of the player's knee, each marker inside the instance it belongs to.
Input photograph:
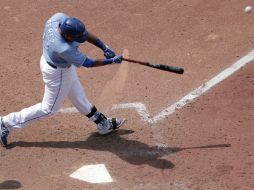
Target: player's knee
(48, 111)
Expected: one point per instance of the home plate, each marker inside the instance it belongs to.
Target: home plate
(92, 174)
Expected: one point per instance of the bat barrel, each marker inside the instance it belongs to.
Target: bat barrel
(173, 69)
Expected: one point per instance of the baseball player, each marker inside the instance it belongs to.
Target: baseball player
(60, 59)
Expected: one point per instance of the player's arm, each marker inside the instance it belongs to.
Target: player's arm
(75, 57)
(93, 39)
(100, 62)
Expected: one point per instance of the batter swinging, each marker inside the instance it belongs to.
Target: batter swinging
(59, 61)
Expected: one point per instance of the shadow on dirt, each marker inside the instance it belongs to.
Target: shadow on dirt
(10, 184)
(132, 151)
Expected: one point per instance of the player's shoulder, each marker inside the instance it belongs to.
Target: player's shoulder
(59, 16)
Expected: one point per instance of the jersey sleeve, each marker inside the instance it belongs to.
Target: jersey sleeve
(74, 56)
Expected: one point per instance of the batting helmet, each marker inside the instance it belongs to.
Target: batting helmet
(73, 28)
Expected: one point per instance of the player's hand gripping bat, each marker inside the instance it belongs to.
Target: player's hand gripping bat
(168, 68)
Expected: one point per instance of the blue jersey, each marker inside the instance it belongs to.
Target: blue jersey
(56, 50)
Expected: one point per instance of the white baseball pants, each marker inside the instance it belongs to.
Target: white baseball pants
(59, 84)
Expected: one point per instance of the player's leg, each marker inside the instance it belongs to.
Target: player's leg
(57, 86)
(78, 98)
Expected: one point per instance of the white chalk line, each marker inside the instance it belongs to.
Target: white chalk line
(144, 113)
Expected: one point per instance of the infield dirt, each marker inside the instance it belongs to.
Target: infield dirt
(206, 145)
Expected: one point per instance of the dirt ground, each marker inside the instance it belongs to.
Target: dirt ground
(208, 144)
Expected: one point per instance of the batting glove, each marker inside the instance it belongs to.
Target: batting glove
(118, 59)
(109, 53)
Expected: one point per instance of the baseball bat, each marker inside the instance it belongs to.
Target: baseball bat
(168, 68)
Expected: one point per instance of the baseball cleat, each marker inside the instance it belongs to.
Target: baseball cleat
(4, 132)
(110, 125)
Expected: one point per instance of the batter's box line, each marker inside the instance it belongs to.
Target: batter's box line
(143, 111)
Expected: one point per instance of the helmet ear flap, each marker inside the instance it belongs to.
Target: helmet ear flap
(68, 37)
(65, 31)
(65, 35)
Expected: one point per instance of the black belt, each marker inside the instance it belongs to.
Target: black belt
(55, 67)
(51, 65)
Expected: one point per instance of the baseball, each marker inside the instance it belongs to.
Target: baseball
(248, 9)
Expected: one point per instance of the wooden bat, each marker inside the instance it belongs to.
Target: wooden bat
(168, 68)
